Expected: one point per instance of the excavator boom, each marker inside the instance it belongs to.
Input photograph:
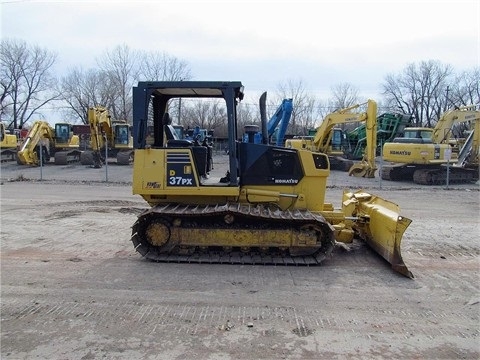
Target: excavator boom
(39, 135)
(366, 168)
(322, 141)
(276, 126)
(59, 143)
(107, 134)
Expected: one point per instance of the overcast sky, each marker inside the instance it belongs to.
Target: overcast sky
(261, 43)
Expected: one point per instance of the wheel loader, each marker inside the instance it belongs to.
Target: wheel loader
(269, 208)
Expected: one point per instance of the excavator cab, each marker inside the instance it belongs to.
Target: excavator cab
(62, 134)
(122, 135)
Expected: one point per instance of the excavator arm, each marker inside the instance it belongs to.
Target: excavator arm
(443, 130)
(323, 135)
(105, 132)
(469, 153)
(366, 168)
(281, 118)
(100, 132)
(100, 125)
(40, 134)
(475, 151)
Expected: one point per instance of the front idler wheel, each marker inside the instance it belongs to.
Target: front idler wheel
(157, 233)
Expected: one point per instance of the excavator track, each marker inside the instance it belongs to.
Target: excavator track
(397, 172)
(125, 157)
(439, 176)
(232, 234)
(67, 157)
(8, 155)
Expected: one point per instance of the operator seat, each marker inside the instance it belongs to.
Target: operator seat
(199, 152)
(169, 129)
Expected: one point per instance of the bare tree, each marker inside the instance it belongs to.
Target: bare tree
(160, 66)
(246, 115)
(304, 109)
(82, 89)
(27, 84)
(111, 85)
(419, 90)
(465, 89)
(344, 95)
(207, 114)
(122, 68)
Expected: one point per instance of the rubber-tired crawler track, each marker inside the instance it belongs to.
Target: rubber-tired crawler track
(232, 233)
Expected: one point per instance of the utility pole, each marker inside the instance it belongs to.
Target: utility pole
(179, 109)
(446, 99)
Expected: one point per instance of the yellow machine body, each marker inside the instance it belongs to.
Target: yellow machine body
(322, 140)
(59, 142)
(8, 144)
(272, 212)
(107, 136)
(423, 153)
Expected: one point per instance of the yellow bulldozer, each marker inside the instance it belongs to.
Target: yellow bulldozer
(269, 208)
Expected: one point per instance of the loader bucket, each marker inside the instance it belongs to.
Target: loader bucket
(379, 224)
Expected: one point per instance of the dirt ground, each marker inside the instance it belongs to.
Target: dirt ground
(73, 287)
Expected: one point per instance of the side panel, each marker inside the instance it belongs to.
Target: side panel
(415, 153)
(170, 175)
(316, 168)
(155, 170)
(148, 171)
(180, 169)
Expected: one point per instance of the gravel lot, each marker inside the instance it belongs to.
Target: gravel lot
(72, 286)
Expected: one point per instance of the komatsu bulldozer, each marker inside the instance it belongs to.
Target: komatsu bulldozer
(270, 207)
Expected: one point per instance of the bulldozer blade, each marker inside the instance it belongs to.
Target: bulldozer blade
(381, 227)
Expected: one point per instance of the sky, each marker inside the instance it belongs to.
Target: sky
(261, 43)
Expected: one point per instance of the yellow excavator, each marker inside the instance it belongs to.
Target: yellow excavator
(322, 141)
(268, 209)
(59, 142)
(114, 135)
(427, 156)
(8, 144)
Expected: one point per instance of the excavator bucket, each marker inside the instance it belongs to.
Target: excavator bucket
(362, 169)
(379, 224)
